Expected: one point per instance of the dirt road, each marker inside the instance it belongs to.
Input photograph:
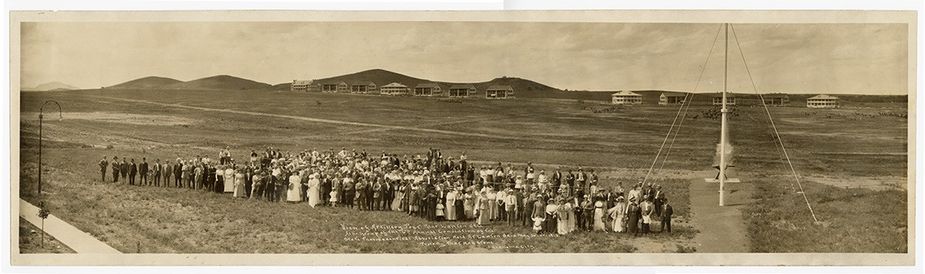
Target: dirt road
(722, 229)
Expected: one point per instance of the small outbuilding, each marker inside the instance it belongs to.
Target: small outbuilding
(625, 97)
(776, 99)
(499, 92)
(672, 98)
(822, 101)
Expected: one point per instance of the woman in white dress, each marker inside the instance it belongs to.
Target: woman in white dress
(599, 213)
(239, 184)
(398, 194)
(229, 180)
(469, 203)
(294, 192)
(314, 190)
(572, 218)
(483, 206)
(563, 212)
(618, 212)
(451, 206)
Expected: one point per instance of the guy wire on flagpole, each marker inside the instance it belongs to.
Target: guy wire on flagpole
(773, 126)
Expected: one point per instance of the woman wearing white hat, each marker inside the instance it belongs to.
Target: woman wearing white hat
(618, 213)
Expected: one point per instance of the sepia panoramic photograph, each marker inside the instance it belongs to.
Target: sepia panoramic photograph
(507, 133)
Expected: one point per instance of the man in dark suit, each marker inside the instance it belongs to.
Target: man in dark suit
(132, 171)
(124, 170)
(666, 211)
(177, 173)
(609, 198)
(143, 169)
(518, 207)
(249, 183)
(526, 216)
(103, 165)
(657, 196)
(167, 170)
(115, 169)
(156, 172)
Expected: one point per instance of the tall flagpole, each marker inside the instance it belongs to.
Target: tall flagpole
(722, 134)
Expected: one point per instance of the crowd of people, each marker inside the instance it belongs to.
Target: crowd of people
(427, 186)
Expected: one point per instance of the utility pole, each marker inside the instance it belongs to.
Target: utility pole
(723, 127)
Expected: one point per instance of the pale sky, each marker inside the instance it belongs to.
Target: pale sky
(797, 58)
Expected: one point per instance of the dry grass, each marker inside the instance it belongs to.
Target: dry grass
(30, 238)
(549, 131)
(851, 219)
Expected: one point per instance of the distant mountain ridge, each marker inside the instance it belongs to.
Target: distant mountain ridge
(51, 86)
(218, 82)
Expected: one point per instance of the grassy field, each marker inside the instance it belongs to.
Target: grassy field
(30, 240)
(846, 144)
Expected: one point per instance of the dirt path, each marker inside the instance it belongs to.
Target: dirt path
(79, 241)
(722, 229)
(454, 122)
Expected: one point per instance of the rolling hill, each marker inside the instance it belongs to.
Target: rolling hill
(224, 82)
(149, 82)
(218, 82)
(379, 76)
(522, 87)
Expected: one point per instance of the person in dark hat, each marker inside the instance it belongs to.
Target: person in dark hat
(665, 216)
(143, 170)
(166, 172)
(632, 217)
(156, 172)
(132, 171)
(551, 217)
(123, 169)
(103, 166)
(556, 180)
(657, 196)
(115, 169)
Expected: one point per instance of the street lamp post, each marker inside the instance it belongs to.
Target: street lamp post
(41, 116)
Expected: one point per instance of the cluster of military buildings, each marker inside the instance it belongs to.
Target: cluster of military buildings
(431, 89)
(676, 98)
